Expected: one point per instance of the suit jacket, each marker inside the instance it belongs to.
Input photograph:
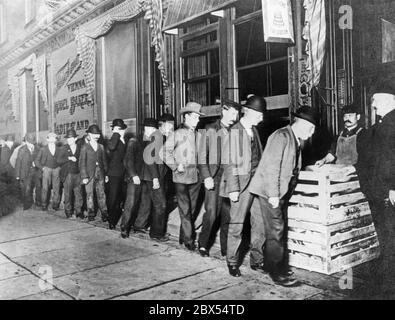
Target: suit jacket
(116, 151)
(377, 163)
(5, 156)
(153, 167)
(68, 166)
(180, 148)
(45, 156)
(237, 175)
(88, 159)
(276, 168)
(25, 162)
(134, 160)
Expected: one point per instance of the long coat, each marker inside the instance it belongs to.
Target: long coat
(116, 151)
(25, 162)
(88, 159)
(376, 167)
(237, 175)
(276, 168)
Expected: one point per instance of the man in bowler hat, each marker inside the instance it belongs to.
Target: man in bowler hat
(246, 151)
(116, 150)
(70, 176)
(93, 169)
(272, 186)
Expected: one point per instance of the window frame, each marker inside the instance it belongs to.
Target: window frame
(3, 23)
(30, 11)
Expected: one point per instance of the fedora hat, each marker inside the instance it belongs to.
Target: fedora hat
(385, 86)
(93, 129)
(119, 123)
(71, 133)
(306, 113)
(192, 107)
(351, 109)
(256, 103)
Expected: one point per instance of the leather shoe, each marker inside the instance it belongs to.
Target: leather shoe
(203, 252)
(190, 246)
(285, 281)
(124, 235)
(162, 239)
(45, 208)
(259, 267)
(142, 231)
(234, 271)
(111, 226)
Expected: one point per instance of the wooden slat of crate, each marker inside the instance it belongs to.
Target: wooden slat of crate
(307, 188)
(308, 236)
(308, 248)
(305, 214)
(354, 223)
(316, 264)
(354, 259)
(314, 201)
(343, 214)
(352, 234)
(303, 225)
(309, 176)
(352, 246)
(339, 176)
(342, 187)
(348, 199)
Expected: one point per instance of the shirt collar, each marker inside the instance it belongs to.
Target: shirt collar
(296, 137)
(245, 125)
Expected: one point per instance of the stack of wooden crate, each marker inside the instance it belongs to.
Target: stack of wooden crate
(330, 226)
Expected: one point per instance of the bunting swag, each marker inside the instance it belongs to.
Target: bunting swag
(86, 35)
(39, 70)
(315, 34)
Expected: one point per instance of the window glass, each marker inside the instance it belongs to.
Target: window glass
(279, 78)
(253, 81)
(245, 7)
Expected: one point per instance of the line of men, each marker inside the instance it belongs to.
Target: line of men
(240, 179)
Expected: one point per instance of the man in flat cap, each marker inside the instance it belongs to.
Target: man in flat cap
(116, 150)
(344, 151)
(70, 176)
(272, 187)
(246, 151)
(27, 173)
(180, 154)
(93, 169)
(378, 168)
(47, 162)
(213, 149)
(153, 197)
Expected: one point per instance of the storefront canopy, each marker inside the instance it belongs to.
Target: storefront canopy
(183, 11)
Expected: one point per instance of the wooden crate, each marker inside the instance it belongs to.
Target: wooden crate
(330, 226)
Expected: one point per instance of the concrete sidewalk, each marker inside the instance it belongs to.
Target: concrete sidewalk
(87, 261)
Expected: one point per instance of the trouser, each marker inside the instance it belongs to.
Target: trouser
(187, 197)
(96, 184)
(51, 177)
(382, 271)
(275, 227)
(238, 214)
(129, 215)
(155, 200)
(72, 194)
(115, 198)
(215, 207)
(31, 183)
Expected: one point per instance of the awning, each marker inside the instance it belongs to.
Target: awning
(183, 11)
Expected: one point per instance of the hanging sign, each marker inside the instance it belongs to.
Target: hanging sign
(277, 21)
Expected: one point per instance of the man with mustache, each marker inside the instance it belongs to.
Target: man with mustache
(344, 151)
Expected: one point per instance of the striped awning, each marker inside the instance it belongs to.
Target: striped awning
(183, 11)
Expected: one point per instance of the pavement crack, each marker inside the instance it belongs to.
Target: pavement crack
(159, 284)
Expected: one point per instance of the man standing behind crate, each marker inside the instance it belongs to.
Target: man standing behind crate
(272, 187)
(379, 186)
(344, 151)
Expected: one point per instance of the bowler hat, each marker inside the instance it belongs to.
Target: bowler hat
(351, 109)
(306, 113)
(119, 123)
(93, 129)
(192, 107)
(231, 104)
(30, 138)
(256, 103)
(385, 86)
(71, 134)
(167, 117)
(150, 122)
